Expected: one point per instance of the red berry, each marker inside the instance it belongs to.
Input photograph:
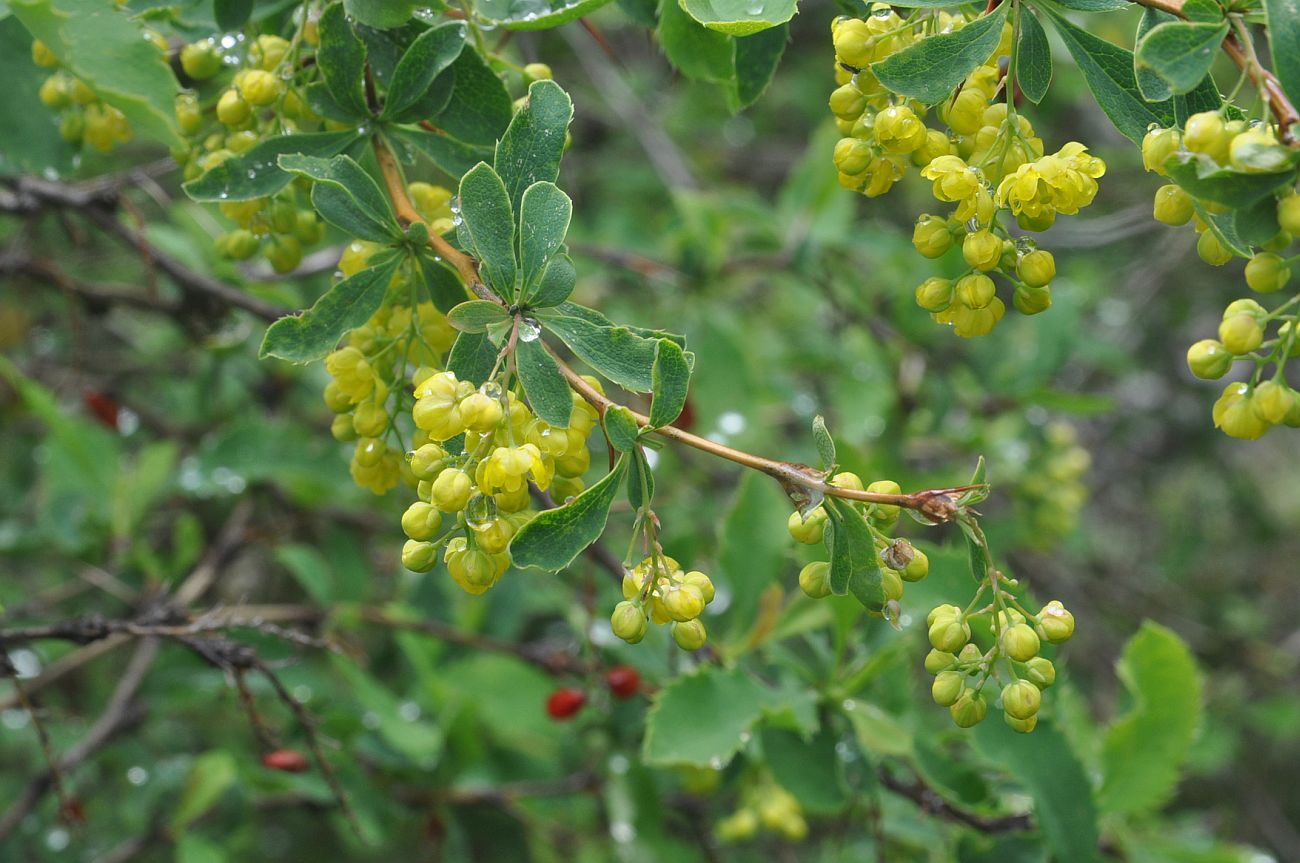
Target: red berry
(105, 408)
(288, 760)
(565, 702)
(623, 681)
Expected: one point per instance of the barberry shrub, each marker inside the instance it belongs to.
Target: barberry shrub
(527, 425)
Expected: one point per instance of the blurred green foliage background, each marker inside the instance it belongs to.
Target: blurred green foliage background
(797, 298)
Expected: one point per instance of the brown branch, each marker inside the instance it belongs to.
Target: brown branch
(1283, 111)
(407, 214)
(797, 479)
(308, 725)
(97, 202)
(933, 803)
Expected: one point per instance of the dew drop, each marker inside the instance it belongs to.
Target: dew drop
(529, 330)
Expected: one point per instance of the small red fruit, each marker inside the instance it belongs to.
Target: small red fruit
(105, 408)
(623, 681)
(565, 702)
(288, 760)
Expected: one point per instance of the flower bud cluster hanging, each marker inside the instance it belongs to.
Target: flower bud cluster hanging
(242, 95)
(84, 118)
(1213, 142)
(988, 161)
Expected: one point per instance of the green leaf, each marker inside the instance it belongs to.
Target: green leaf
(309, 568)
(441, 282)
(1094, 5)
(1108, 71)
(555, 537)
(475, 316)
(878, 732)
(534, 14)
(694, 50)
(1224, 226)
(346, 196)
(257, 173)
(1034, 63)
(824, 442)
(29, 132)
(591, 316)
(544, 214)
(487, 228)
(740, 17)
(231, 14)
(546, 388)
(621, 428)
(1180, 52)
(854, 565)
(556, 284)
(615, 352)
(751, 546)
(448, 154)
(811, 770)
(193, 848)
(322, 102)
(702, 719)
(1152, 87)
(931, 69)
(1203, 11)
(757, 57)
(211, 775)
(480, 108)
(418, 742)
(472, 358)
(670, 380)
(1284, 44)
(1049, 770)
(349, 304)
(1144, 751)
(423, 61)
(1204, 179)
(640, 480)
(1256, 224)
(380, 13)
(104, 47)
(975, 558)
(530, 150)
(1062, 797)
(341, 56)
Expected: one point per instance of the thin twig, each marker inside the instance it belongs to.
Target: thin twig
(1283, 111)
(117, 716)
(933, 803)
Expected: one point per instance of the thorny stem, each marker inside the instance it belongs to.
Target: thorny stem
(1284, 112)
(797, 479)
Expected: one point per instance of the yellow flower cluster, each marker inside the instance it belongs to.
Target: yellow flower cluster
(764, 805)
(1247, 332)
(1049, 486)
(961, 669)
(501, 448)
(657, 590)
(366, 373)
(989, 161)
(84, 118)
